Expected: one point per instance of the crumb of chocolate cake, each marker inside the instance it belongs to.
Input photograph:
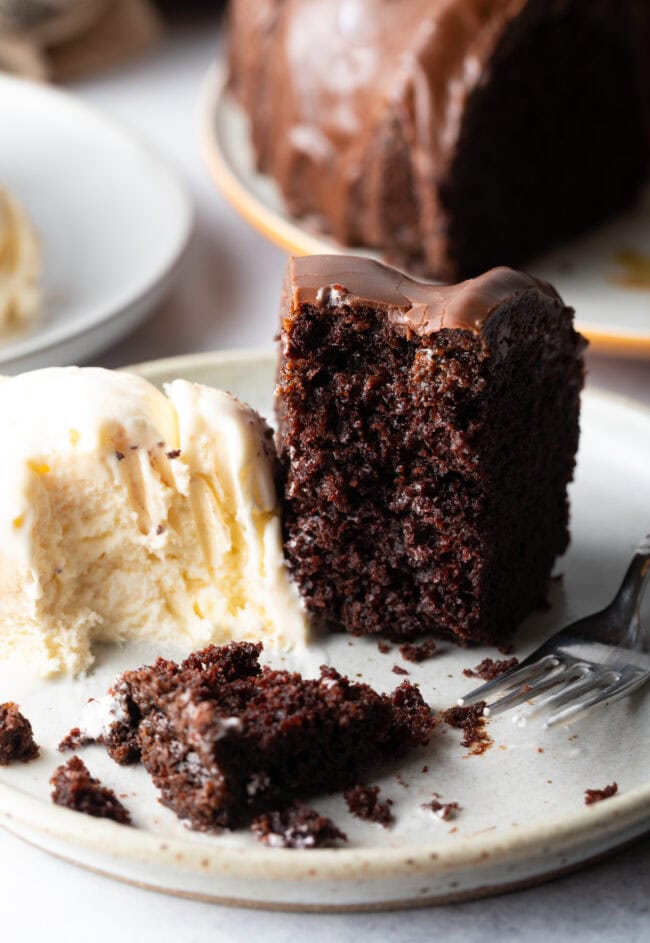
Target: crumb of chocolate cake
(489, 669)
(384, 647)
(597, 795)
(174, 453)
(391, 425)
(260, 736)
(398, 670)
(540, 749)
(364, 802)
(412, 651)
(442, 810)
(17, 744)
(74, 788)
(471, 721)
(73, 740)
(425, 769)
(119, 456)
(297, 826)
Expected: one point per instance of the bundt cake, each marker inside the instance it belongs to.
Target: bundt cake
(451, 135)
(427, 434)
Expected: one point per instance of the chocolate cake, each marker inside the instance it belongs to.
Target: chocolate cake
(297, 826)
(471, 721)
(74, 788)
(427, 435)
(489, 669)
(17, 744)
(224, 738)
(597, 795)
(364, 802)
(453, 135)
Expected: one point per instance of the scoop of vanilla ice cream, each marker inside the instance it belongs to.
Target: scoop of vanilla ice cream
(20, 264)
(128, 513)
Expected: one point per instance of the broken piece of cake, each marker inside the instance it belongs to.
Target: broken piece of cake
(17, 744)
(74, 788)
(126, 513)
(297, 826)
(428, 434)
(225, 738)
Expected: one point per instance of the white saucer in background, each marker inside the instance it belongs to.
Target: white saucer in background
(113, 220)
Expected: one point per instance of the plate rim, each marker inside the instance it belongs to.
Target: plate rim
(44, 338)
(627, 811)
(296, 240)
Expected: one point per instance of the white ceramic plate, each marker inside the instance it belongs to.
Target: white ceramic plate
(112, 217)
(586, 272)
(523, 816)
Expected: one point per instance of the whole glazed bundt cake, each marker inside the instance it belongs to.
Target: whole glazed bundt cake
(452, 135)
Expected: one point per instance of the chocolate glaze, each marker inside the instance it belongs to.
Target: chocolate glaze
(423, 309)
(357, 107)
(331, 78)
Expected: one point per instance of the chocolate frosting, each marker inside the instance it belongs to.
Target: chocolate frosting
(337, 90)
(423, 309)
(357, 108)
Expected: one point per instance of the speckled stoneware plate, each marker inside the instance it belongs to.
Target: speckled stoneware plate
(606, 274)
(113, 220)
(523, 816)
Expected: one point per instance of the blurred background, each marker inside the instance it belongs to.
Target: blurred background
(145, 62)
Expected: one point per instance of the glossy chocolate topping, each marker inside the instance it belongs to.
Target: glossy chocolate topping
(404, 125)
(337, 89)
(424, 309)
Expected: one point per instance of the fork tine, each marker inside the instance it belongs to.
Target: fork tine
(588, 679)
(514, 678)
(629, 680)
(526, 692)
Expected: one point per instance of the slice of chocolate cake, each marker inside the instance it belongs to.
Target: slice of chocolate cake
(427, 434)
(224, 738)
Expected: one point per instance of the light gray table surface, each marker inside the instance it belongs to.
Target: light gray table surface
(227, 296)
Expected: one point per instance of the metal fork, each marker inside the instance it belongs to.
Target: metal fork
(597, 660)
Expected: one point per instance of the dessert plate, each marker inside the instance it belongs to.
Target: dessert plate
(113, 221)
(523, 817)
(605, 275)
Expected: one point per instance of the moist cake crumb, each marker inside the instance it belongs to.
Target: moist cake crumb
(412, 651)
(489, 669)
(74, 788)
(597, 795)
(73, 740)
(442, 810)
(364, 802)
(398, 670)
(471, 721)
(17, 744)
(403, 409)
(260, 737)
(384, 647)
(297, 826)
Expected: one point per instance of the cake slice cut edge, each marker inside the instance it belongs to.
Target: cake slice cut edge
(427, 435)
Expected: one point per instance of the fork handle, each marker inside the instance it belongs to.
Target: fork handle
(634, 580)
